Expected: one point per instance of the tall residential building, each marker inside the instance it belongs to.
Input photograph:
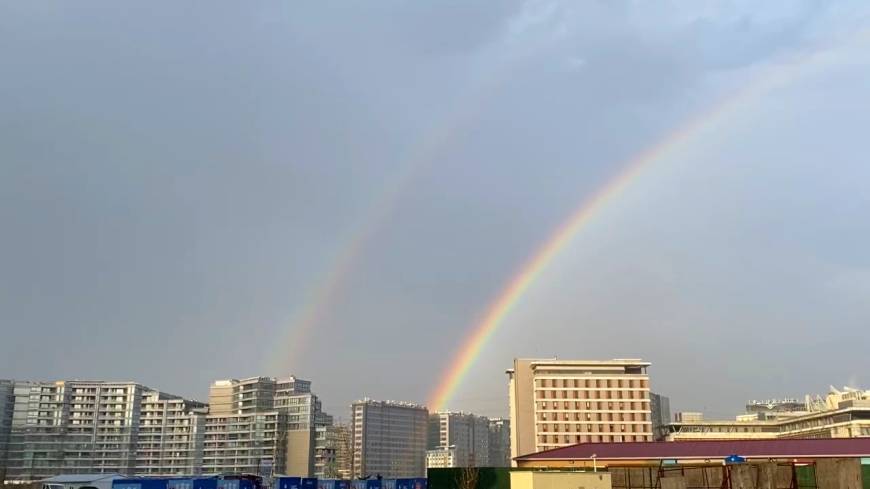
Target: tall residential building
(171, 434)
(294, 399)
(325, 447)
(554, 403)
(7, 404)
(343, 451)
(389, 439)
(466, 435)
(260, 425)
(660, 412)
(499, 442)
(76, 427)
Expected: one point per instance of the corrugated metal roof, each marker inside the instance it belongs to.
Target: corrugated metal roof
(709, 449)
(83, 478)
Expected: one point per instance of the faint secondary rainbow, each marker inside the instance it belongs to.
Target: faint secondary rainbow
(296, 336)
(510, 295)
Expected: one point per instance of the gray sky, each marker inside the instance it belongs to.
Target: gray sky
(178, 180)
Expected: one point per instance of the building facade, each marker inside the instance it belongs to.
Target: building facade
(171, 435)
(343, 451)
(555, 403)
(76, 427)
(389, 439)
(325, 447)
(261, 425)
(441, 458)
(7, 405)
(660, 412)
(467, 434)
(839, 415)
(499, 442)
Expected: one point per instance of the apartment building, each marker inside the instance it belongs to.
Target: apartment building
(171, 435)
(441, 457)
(343, 451)
(389, 439)
(325, 447)
(76, 427)
(555, 403)
(261, 425)
(467, 436)
(7, 404)
(499, 442)
(660, 412)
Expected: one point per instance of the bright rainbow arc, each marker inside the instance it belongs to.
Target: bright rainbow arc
(520, 283)
(533, 268)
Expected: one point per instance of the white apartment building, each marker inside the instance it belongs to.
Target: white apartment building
(171, 435)
(467, 434)
(389, 439)
(441, 458)
(7, 405)
(555, 403)
(261, 425)
(76, 427)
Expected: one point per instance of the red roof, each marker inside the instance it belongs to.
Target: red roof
(709, 449)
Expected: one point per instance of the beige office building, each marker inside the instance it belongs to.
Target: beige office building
(554, 403)
(841, 414)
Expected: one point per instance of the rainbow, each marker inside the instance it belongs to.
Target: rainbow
(510, 295)
(288, 350)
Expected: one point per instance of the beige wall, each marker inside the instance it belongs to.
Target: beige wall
(559, 480)
(220, 399)
(300, 453)
(522, 409)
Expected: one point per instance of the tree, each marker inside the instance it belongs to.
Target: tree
(468, 478)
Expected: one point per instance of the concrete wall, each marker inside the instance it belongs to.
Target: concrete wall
(560, 480)
(522, 407)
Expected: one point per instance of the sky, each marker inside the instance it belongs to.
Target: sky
(205, 190)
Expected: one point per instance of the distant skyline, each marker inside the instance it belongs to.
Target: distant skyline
(342, 190)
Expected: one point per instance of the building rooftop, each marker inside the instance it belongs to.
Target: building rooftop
(616, 362)
(708, 450)
(390, 403)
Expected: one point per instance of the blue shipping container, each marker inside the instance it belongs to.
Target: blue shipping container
(205, 483)
(139, 483)
(179, 484)
(289, 483)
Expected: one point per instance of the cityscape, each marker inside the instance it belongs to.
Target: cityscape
(434, 244)
(268, 426)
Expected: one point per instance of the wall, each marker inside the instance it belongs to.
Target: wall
(559, 480)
